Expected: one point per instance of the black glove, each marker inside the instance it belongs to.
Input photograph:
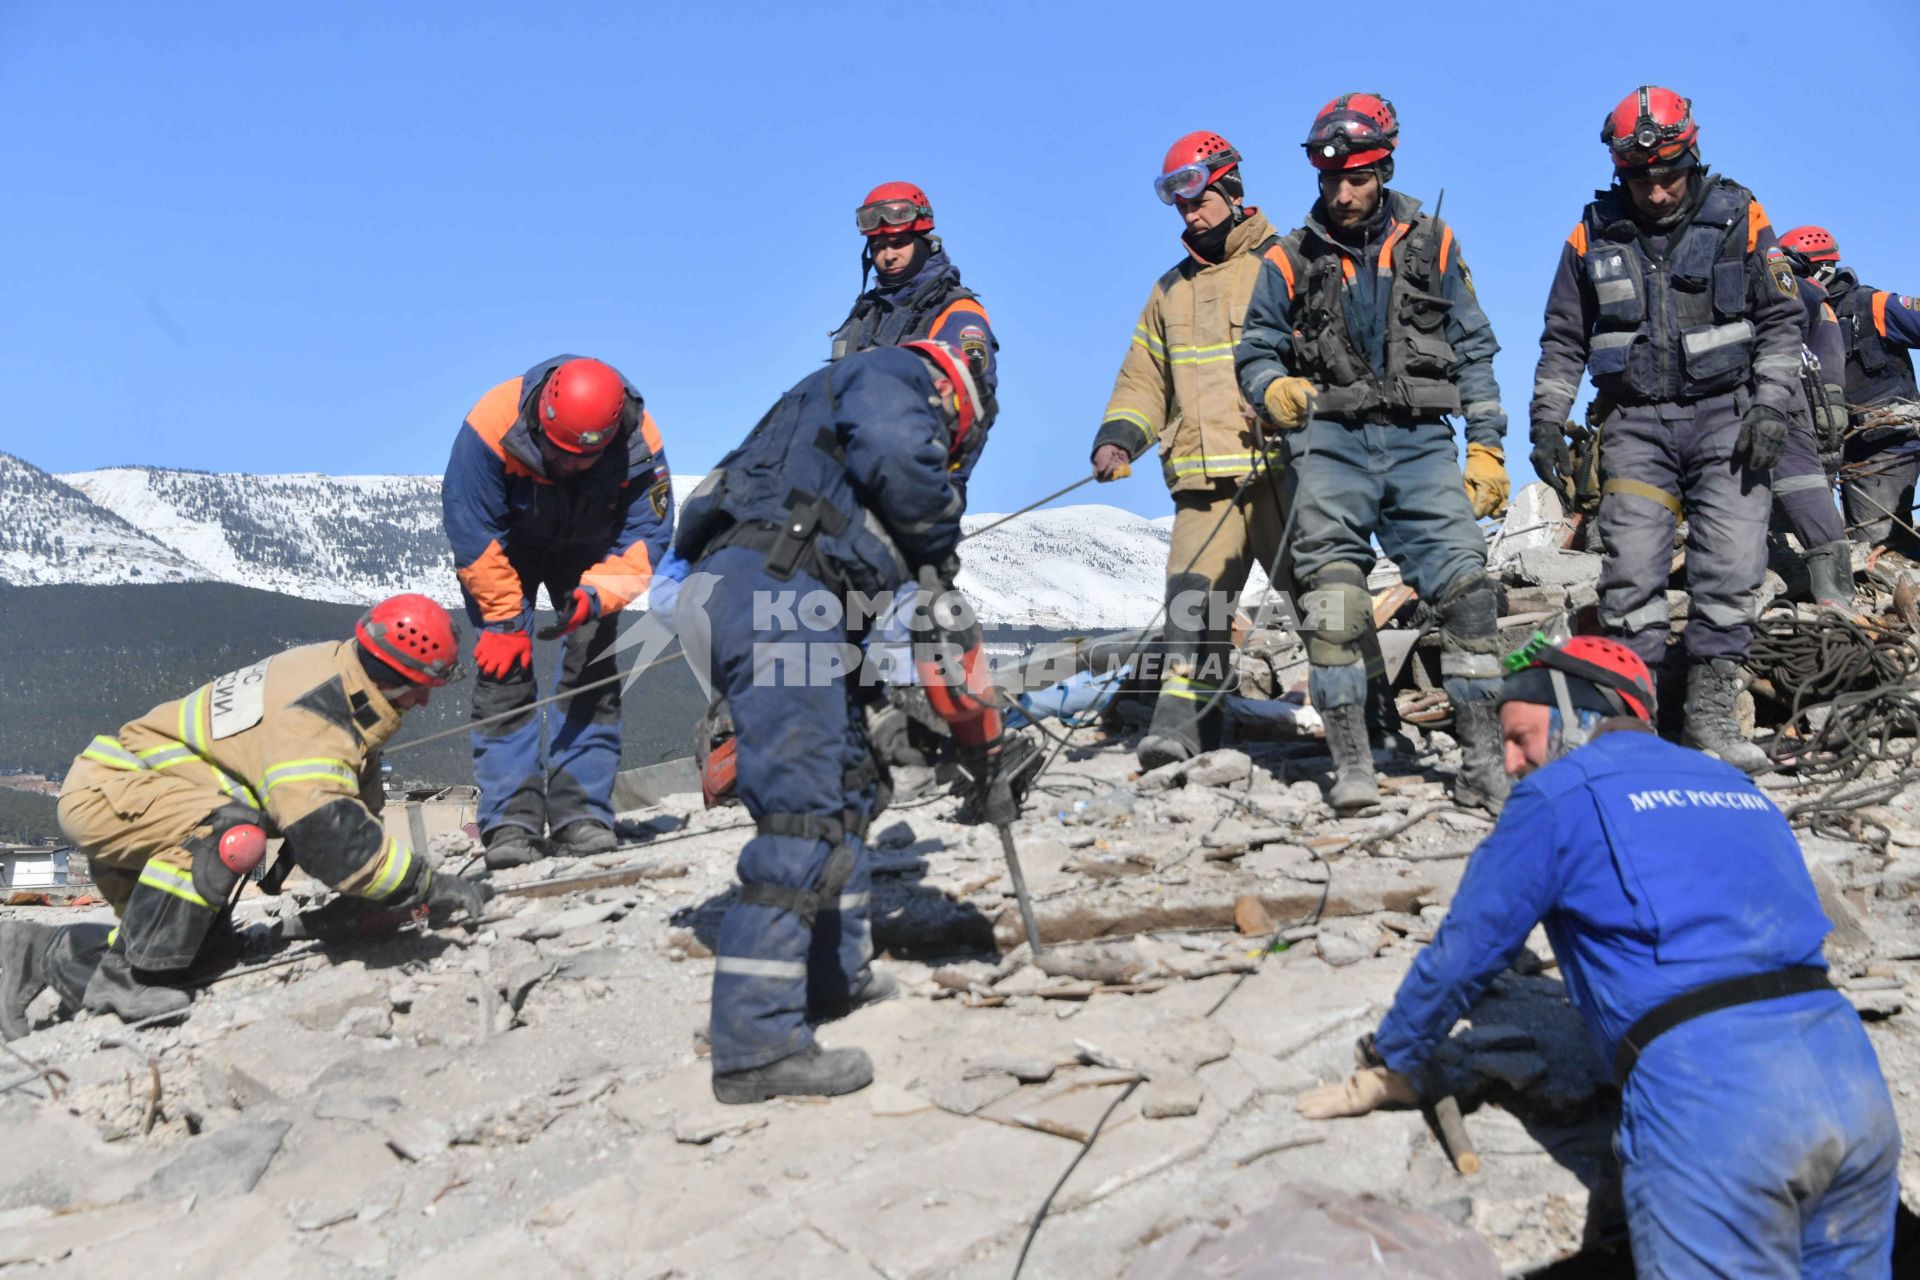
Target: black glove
(1763, 434)
(1830, 423)
(449, 893)
(1552, 460)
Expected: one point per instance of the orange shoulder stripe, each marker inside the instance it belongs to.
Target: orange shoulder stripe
(1880, 312)
(1393, 238)
(1578, 239)
(1446, 247)
(1756, 223)
(650, 433)
(496, 413)
(964, 304)
(1277, 255)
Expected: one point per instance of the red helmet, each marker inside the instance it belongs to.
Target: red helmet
(1810, 244)
(969, 408)
(412, 635)
(1193, 164)
(1354, 131)
(894, 207)
(1652, 133)
(580, 405)
(1615, 671)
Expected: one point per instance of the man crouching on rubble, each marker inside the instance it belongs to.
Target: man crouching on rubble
(1756, 1135)
(174, 809)
(843, 490)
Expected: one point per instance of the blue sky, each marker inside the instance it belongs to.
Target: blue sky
(260, 237)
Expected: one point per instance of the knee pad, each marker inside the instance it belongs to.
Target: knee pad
(1470, 629)
(1337, 612)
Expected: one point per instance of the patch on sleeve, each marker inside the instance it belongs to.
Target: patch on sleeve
(1905, 300)
(1466, 276)
(974, 344)
(1782, 272)
(658, 496)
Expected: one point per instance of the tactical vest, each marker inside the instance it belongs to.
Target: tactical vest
(1674, 328)
(1877, 370)
(909, 314)
(1417, 385)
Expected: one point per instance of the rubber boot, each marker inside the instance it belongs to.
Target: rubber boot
(118, 990)
(1179, 731)
(1354, 786)
(510, 846)
(1482, 782)
(1830, 573)
(583, 839)
(23, 972)
(814, 1072)
(1711, 688)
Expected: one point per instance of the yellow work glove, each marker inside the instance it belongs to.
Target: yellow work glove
(1288, 402)
(1487, 484)
(1365, 1090)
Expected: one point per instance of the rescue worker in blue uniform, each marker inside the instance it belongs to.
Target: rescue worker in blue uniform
(1756, 1134)
(1803, 477)
(918, 294)
(558, 478)
(1672, 294)
(1881, 456)
(1362, 338)
(844, 490)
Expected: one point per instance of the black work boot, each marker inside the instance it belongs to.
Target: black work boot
(510, 846)
(23, 972)
(814, 1072)
(117, 989)
(1354, 786)
(583, 839)
(1482, 782)
(1711, 688)
(1830, 574)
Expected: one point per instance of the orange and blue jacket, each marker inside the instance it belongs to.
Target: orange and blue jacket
(500, 506)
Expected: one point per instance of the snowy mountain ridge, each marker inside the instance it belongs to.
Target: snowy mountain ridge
(356, 539)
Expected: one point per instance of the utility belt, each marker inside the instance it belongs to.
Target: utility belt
(1711, 998)
(789, 544)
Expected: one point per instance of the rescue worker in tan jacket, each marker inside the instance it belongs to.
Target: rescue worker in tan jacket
(1176, 388)
(174, 810)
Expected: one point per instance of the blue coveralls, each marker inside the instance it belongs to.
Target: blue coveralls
(931, 303)
(1880, 463)
(1385, 472)
(857, 454)
(1755, 1141)
(514, 530)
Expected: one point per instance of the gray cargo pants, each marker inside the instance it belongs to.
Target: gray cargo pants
(1658, 461)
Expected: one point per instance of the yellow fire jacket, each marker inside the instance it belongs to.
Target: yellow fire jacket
(297, 737)
(1176, 386)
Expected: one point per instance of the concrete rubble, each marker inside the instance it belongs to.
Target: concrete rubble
(530, 1096)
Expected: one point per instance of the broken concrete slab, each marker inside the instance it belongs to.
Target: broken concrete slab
(227, 1161)
(1165, 1097)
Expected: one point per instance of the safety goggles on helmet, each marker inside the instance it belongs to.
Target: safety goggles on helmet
(1189, 180)
(889, 213)
(1653, 146)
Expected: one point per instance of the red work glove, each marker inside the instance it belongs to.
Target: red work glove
(498, 653)
(582, 606)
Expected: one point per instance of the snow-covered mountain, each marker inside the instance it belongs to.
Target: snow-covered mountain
(356, 539)
(51, 532)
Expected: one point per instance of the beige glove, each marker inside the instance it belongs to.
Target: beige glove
(1289, 400)
(1367, 1089)
(1487, 484)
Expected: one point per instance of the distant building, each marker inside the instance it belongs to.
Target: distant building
(40, 866)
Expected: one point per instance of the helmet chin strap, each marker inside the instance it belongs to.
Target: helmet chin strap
(1572, 733)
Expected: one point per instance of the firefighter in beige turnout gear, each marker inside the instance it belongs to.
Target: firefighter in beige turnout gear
(1176, 389)
(175, 809)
